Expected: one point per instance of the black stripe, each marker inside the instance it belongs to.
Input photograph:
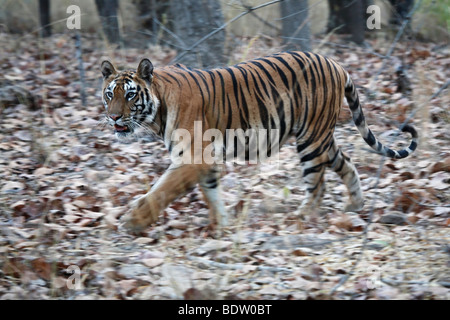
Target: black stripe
(349, 88)
(403, 153)
(390, 153)
(282, 126)
(295, 85)
(222, 85)
(353, 104)
(304, 122)
(370, 139)
(203, 78)
(359, 120)
(319, 183)
(172, 77)
(213, 102)
(243, 71)
(267, 73)
(183, 74)
(301, 64)
(261, 105)
(331, 161)
(199, 87)
(312, 155)
(212, 186)
(244, 108)
(230, 113)
(262, 112)
(233, 78)
(340, 166)
(283, 77)
(316, 168)
(262, 82)
(326, 143)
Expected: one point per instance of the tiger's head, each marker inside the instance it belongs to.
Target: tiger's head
(128, 98)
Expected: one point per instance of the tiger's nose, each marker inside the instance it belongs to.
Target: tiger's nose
(115, 117)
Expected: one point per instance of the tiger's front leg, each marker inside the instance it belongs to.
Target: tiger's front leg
(175, 182)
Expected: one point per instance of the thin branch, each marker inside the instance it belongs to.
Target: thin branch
(163, 27)
(298, 12)
(237, 266)
(245, 6)
(79, 56)
(162, 39)
(50, 24)
(397, 38)
(437, 93)
(396, 283)
(209, 35)
(428, 204)
(339, 45)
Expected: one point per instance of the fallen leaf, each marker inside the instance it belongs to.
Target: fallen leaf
(128, 286)
(12, 187)
(212, 245)
(393, 218)
(153, 262)
(42, 268)
(440, 181)
(43, 171)
(23, 135)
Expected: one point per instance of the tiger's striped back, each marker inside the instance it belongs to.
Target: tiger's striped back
(288, 91)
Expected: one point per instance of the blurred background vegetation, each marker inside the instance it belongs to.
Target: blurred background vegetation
(20, 16)
(180, 24)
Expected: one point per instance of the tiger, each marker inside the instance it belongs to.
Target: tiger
(300, 94)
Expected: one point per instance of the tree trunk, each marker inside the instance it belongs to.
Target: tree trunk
(402, 8)
(349, 16)
(194, 19)
(336, 17)
(151, 16)
(295, 25)
(107, 10)
(356, 21)
(44, 17)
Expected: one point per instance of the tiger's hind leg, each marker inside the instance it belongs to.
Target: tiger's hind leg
(343, 166)
(313, 178)
(210, 188)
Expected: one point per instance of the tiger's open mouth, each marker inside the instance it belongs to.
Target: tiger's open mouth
(121, 129)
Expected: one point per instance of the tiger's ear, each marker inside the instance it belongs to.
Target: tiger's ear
(145, 70)
(107, 69)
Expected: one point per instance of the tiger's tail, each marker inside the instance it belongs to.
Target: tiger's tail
(358, 118)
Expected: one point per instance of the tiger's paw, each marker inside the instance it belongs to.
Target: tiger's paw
(141, 216)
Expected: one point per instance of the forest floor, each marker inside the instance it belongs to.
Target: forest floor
(65, 182)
